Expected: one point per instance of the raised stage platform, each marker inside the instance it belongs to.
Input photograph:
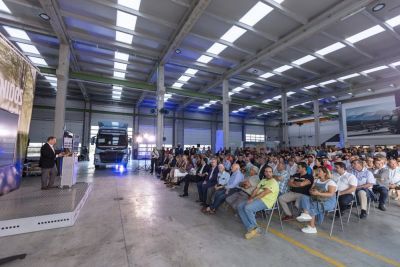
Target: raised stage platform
(30, 209)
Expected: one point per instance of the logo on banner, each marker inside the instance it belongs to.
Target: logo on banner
(10, 96)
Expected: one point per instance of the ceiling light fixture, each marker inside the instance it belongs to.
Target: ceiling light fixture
(16, 33)
(374, 69)
(134, 4)
(121, 56)
(267, 75)
(27, 48)
(395, 64)
(178, 51)
(310, 87)
(120, 66)
(327, 82)
(4, 8)
(283, 68)
(378, 7)
(348, 76)
(204, 59)
(216, 48)
(178, 85)
(191, 71)
(44, 16)
(126, 20)
(248, 84)
(119, 74)
(331, 48)
(184, 78)
(123, 37)
(304, 60)
(38, 61)
(395, 21)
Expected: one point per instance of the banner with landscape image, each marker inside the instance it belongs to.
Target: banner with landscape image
(17, 83)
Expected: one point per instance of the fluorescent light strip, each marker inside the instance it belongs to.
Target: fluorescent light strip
(184, 78)
(395, 21)
(267, 75)
(349, 76)
(256, 13)
(121, 56)
(134, 4)
(204, 59)
(38, 61)
(365, 34)
(191, 71)
(331, 48)
(123, 37)
(4, 8)
(27, 48)
(327, 82)
(16, 33)
(310, 87)
(238, 89)
(126, 20)
(119, 74)
(179, 85)
(51, 78)
(290, 93)
(202, 107)
(120, 66)
(304, 60)
(374, 69)
(231, 93)
(117, 87)
(277, 97)
(216, 48)
(248, 84)
(213, 102)
(233, 34)
(267, 101)
(235, 111)
(283, 68)
(395, 64)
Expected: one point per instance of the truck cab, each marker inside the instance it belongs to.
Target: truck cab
(111, 145)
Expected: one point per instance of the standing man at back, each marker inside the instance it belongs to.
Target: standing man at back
(48, 163)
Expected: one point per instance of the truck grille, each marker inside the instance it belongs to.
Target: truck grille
(111, 157)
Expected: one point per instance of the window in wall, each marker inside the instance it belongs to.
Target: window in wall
(257, 138)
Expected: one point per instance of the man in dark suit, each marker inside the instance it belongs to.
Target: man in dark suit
(211, 180)
(47, 163)
(201, 173)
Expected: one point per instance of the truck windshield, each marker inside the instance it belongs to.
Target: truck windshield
(112, 138)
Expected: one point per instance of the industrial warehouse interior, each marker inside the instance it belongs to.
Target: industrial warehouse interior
(199, 133)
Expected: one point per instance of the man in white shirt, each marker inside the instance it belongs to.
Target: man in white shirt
(291, 167)
(394, 176)
(347, 185)
(381, 174)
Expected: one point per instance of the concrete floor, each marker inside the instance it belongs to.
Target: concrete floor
(152, 226)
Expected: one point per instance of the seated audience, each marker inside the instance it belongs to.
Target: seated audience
(223, 178)
(263, 197)
(322, 198)
(346, 185)
(365, 182)
(201, 173)
(381, 175)
(246, 188)
(299, 185)
(210, 180)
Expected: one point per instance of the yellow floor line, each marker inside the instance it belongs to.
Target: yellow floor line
(355, 247)
(308, 249)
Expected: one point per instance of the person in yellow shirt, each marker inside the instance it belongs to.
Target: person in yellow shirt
(263, 197)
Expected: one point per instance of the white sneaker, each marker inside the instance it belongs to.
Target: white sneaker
(309, 230)
(304, 217)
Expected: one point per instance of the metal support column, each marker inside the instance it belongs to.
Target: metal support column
(174, 128)
(225, 111)
(342, 142)
(316, 122)
(160, 106)
(62, 84)
(285, 134)
(243, 133)
(214, 127)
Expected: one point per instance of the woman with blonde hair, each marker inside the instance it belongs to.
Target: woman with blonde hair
(322, 198)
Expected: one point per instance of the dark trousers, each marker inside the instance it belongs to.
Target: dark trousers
(202, 190)
(153, 164)
(164, 173)
(383, 193)
(190, 179)
(344, 201)
(48, 176)
(220, 197)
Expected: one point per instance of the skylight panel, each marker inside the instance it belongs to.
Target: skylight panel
(395, 64)
(267, 101)
(394, 21)
(238, 89)
(233, 34)
(327, 82)
(120, 66)
(267, 75)
(256, 13)
(179, 85)
(121, 56)
(248, 84)
(184, 78)
(375, 69)
(204, 59)
(4, 8)
(38, 60)
(365, 34)
(331, 48)
(116, 92)
(126, 20)
(191, 71)
(216, 48)
(290, 93)
(304, 60)
(283, 68)
(119, 74)
(277, 97)
(123, 37)
(349, 76)
(27, 48)
(310, 87)
(16, 33)
(134, 4)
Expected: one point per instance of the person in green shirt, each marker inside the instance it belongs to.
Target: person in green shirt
(263, 197)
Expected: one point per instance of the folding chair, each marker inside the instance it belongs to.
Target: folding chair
(264, 212)
(354, 201)
(337, 208)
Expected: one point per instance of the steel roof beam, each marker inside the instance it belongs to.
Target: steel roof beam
(383, 24)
